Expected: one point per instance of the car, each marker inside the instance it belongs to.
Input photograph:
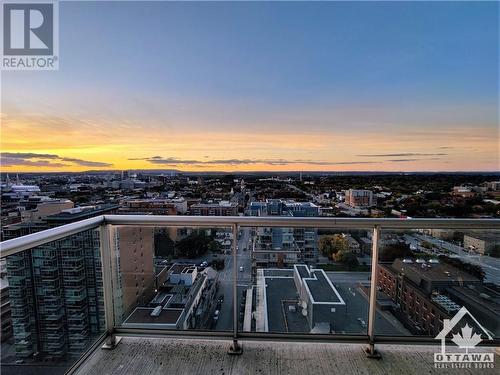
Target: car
(241, 269)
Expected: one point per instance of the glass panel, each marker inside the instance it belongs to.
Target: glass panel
(51, 303)
(173, 277)
(428, 275)
(308, 280)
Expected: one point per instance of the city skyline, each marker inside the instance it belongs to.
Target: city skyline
(261, 87)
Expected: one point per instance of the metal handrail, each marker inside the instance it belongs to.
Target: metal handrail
(30, 241)
(302, 222)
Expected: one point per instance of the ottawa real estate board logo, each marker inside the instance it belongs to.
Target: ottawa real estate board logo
(30, 35)
(466, 339)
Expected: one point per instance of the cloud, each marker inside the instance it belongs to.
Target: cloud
(27, 155)
(401, 160)
(13, 162)
(176, 161)
(87, 163)
(401, 154)
(11, 159)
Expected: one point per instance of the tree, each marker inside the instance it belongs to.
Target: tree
(194, 245)
(164, 246)
(347, 257)
(398, 250)
(426, 244)
(214, 246)
(331, 245)
(495, 252)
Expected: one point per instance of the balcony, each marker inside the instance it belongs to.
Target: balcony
(168, 314)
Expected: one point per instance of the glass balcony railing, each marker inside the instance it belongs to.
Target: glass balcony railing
(72, 288)
(54, 312)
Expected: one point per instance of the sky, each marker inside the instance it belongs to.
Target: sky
(299, 86)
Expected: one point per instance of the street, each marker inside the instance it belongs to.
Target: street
(491, 266)
(244, 279)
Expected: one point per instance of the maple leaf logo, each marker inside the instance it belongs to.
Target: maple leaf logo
(466, 339)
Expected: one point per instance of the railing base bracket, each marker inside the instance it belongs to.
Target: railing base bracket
(372, 353)
(111, 344)
(235, 349)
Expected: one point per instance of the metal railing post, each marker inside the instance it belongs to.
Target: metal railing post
(106, 244)
(370, 350)
(236, 347)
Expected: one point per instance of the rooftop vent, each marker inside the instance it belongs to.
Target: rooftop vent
(485, 296)
(156, 311)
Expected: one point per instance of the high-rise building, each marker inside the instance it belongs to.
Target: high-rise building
(359, 198)
(283, 247)
(56, 291)
(134, 262)
(5, 311)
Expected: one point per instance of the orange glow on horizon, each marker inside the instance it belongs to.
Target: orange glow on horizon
(466, 149)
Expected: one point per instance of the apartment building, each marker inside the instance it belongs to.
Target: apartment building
(134, 257)
(5, 310)
(283, 247)
(419, 290)
(483, 243)
(360, 198)
(62, 280)
(222, 208)
(150, 206)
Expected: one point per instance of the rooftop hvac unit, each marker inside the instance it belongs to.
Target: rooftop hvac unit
(156, 311)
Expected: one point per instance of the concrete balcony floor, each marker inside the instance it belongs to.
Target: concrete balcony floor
(181, 356)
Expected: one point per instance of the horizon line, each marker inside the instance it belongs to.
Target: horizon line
(249, 172)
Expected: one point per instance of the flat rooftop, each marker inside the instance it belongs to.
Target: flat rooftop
(322, 290)
(171, 355)
(280, 292)
(319, 285)
(181, 268)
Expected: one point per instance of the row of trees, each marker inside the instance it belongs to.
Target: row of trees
(194, 245)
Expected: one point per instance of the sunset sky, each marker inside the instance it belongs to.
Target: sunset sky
(402, 86)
